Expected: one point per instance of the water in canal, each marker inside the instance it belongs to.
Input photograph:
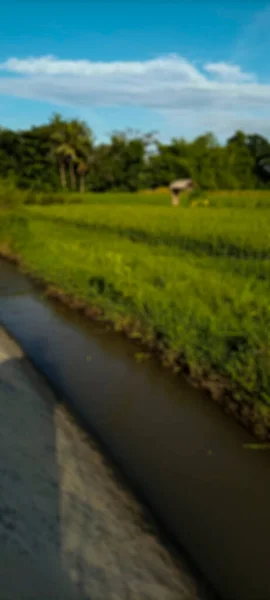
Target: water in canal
(176, 446)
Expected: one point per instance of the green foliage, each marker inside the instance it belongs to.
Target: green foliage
(198, 281)
(62, 154)
(10, 195)
(118, 165)
(71, 146)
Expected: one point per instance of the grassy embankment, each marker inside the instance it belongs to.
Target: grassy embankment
(193, 283)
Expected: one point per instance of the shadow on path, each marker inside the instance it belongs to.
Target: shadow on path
(30, 544)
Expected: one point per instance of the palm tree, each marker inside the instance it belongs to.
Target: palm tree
(82, 169)
(61, 150)
(84, 157)
(58, 151)
(62, 167)
(72, 142)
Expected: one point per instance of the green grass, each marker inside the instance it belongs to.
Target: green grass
(198, 281)
(136, 198)
(10, 196)
(237, 198)
(47, 199)
(218, 232)
(220, 199)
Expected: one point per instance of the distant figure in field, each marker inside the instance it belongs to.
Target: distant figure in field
(181, 185)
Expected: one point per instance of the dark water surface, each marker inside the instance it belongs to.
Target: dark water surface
(173, 442)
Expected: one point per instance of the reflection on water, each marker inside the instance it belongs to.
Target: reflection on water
(175, 445)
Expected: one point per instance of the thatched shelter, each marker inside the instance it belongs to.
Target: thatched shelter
(181, 185)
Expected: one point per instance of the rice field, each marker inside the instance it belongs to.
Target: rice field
(194, 279)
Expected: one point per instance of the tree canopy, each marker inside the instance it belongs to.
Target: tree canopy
(63, 154)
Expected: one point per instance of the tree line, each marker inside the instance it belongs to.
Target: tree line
(62, 154)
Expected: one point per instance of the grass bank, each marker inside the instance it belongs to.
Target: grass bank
(192, 284)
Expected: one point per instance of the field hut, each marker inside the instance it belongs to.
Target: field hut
(181, 185)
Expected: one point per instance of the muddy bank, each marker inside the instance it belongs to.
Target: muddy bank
(69, 526)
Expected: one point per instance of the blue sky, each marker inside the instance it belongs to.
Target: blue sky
(179, 68)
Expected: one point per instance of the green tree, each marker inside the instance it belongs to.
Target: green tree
(71, 143)
(257, 145)
(242, 161)
(82, 168)
(128, 161)
(119, 164)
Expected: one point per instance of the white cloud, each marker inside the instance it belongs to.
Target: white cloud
(169, 84)
(228, 72)
(49, 65)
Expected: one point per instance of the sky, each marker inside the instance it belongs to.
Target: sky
(179, 68)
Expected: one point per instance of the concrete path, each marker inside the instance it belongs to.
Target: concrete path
(69, 527)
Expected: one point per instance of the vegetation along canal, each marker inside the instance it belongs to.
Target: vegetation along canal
(188, 459)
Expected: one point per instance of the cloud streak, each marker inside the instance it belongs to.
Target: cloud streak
(165, 84)
(227, 72)
(50, 65)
